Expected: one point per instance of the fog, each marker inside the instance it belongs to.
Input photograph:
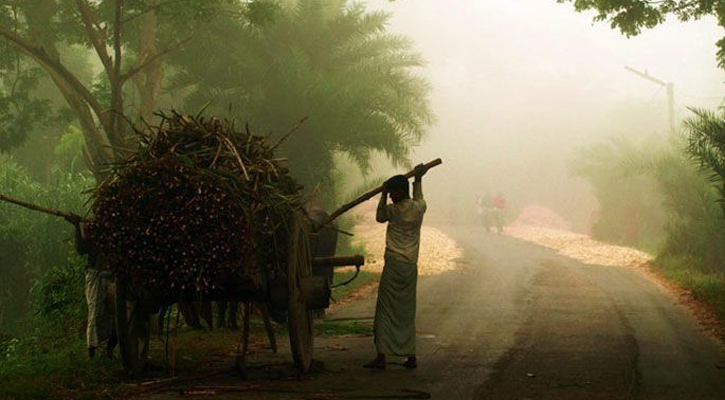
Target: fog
(517, 86)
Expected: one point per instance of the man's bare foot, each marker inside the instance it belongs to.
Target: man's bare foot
(411, 363)
(377, 363)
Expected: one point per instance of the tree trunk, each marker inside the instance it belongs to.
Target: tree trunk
(148, 81)
(117, 114)
(39, 16)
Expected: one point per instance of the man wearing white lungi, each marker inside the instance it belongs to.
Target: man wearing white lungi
(394, 325)
(99, 328)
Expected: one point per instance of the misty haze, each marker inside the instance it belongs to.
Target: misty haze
(330, 199)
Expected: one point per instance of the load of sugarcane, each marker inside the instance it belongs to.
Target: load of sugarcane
(196, 204)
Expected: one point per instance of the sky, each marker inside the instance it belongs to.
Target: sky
(519, 85)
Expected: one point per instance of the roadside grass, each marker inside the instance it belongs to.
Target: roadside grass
(342, 293)
(708, 287)
(190, 349)
(60, 371)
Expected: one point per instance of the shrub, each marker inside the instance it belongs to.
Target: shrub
(36, 250)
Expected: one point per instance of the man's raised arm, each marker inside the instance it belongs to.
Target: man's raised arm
(418, 188)
(418, 183)
(382, 212)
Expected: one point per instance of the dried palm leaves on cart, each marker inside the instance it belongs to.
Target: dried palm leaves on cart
(197, 203)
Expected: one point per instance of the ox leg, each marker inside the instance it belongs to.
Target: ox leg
(112, 342)
(160, 322)
(191, 314)
(232, 315)
(264, 307)
(112, 330)
(221, 308)
(245, 327)
(206, 313)
(239, 363)
(144, 330)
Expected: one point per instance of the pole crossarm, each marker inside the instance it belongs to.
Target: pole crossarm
(669, 86)
(647, 76)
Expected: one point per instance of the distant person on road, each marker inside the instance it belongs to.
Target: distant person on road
(499, 207)
(394, 325)
(486, 210)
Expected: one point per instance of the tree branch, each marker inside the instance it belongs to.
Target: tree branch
(149, 9)
(99, 44)
(94, 137)
(17, 55)
(145, 63)
(55, 68)
(115, 77)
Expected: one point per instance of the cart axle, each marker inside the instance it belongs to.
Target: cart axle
(350, 261)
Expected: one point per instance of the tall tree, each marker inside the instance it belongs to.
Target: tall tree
(706, 144)
(330, 61)
(631, 16)
(147, 29)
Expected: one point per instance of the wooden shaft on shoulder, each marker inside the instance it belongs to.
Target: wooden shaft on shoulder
(68, 216)
(367, 196)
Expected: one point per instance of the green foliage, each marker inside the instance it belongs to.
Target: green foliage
(40, 30)
(35, 368)
(59, 22)
(346, 245)
(664, 178)
(332, 62)
(261, 13)
(36, 250)
(28, 104)
(67, 152)
(693, 249)
(630, 16)
(19, 111)
(695, 222)
(42, 135)
(630, 211)
(706, 144)
(364, 278)
(707, 286)
(58, 298)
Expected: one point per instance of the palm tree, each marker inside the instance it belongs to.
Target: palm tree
(706, 144)
(332, 62)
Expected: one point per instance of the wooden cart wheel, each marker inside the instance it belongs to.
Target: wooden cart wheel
(299, 318)
(131, 329)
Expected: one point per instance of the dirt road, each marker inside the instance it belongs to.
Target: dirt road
(516, 321)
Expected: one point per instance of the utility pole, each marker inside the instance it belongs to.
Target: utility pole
(670, 93)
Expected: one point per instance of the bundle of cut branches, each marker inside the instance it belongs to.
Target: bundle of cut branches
(197, 204)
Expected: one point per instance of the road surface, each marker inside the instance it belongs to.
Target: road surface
(516, 321)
